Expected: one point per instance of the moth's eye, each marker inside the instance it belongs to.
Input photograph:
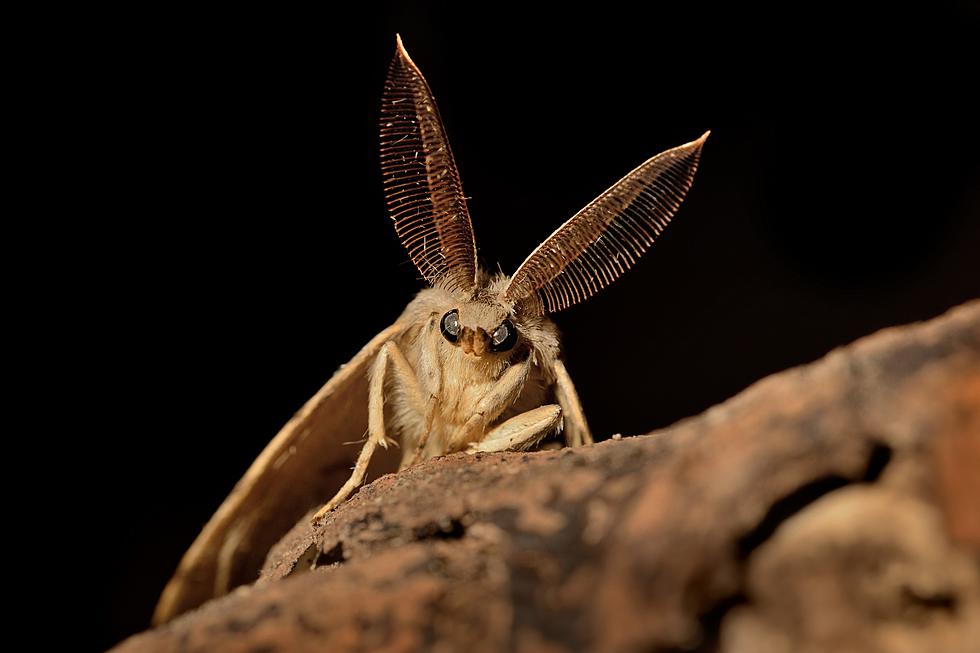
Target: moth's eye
(450, 325)
(503, 337)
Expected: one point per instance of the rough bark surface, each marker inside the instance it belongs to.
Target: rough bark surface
(831, 507)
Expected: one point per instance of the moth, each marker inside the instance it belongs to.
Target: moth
(472, 364)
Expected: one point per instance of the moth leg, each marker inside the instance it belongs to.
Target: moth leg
(414, 458)
(356, 478)
(404, 380)
(521, 431)
(432, 369)
(503, 393)
(576, 428)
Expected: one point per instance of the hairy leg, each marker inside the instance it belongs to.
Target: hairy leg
(390, 359)
(576, 428)
(503, 393)
(521, 431)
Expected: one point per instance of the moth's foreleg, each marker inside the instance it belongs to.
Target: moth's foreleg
(503, 393)
(356, 478)
(576, 428)
(404, 379)
(391, 370)
(521, 431)
(404, 382)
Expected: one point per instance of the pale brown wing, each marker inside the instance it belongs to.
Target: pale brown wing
(301, 467)
(603, 240)
(425, 196)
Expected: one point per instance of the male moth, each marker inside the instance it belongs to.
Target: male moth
(472, 364)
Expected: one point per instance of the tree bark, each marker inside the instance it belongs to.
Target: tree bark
(831, 507)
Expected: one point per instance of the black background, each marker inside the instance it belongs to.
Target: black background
(235, 248)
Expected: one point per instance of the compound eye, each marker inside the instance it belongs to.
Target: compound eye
(504, 337)
(450, 325)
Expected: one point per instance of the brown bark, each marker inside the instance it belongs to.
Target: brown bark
(832, 507)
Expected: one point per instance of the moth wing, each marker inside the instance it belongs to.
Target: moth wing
(301, 467)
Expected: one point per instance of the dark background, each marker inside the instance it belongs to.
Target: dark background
(235, 248)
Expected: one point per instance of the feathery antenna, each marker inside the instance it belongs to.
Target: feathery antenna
(421, 183)
(603, 240)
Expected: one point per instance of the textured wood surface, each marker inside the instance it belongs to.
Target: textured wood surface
(831, 507)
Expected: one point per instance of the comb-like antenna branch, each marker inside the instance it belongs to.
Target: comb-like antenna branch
(602, 241)
(422, 187)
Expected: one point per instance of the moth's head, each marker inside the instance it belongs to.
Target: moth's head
(484, 323)
(584, 255)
